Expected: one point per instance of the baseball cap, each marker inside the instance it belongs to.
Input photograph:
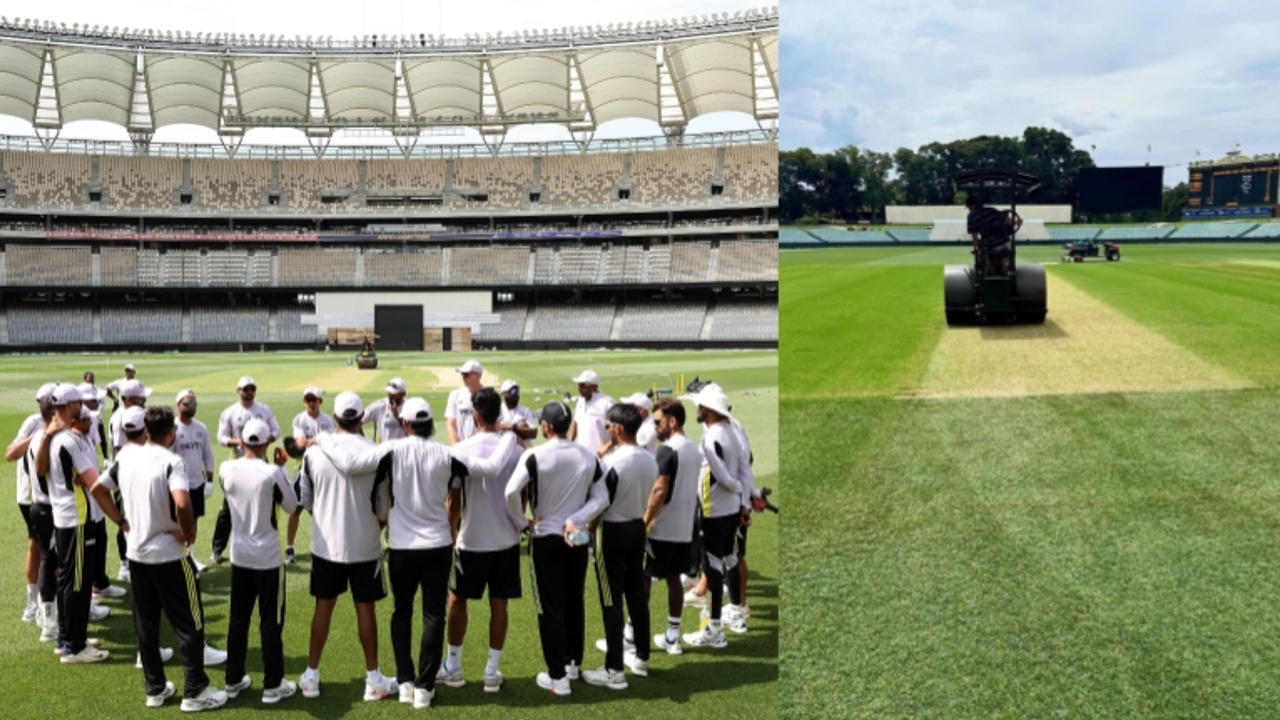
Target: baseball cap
(133, 419)
(640, 400)
(134, 389)
(587, 377)
(556, 414)
(256, 432)
(245, 382)
(65, 393)
(45, 392)
(89, 392)
(509, 385)
(396, 386)
(313, 391)
(130, 367)
(348, 406)
(471, 366)
(415, 409)
(183, 393)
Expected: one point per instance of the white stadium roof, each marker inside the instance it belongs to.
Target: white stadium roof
(669, 72)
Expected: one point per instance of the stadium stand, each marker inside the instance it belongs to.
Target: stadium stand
(747, 260)
(909, 234)
(406, 174)
(136, 182)
(744, 320)
(119, 266)
(839, 236)
(576, 322)
(225, 325)
(303, 183)
(751, 171)
(672, 176)
(130, 324)
(1211, 231)
(794, 236)
(290, 329)
(227, 268)
(47, 179)
(1264, 230)
(1135, 233)
(328, 268)
(510, 325)
(690, 261)
(50, 325)
(49, 266)
(501, 180)
(496, 265)
(580, 180)
(579, 264)
(391, 267)
(230, 184)
(662, 320)
(1072, 233)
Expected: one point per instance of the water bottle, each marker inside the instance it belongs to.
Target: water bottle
(579, 538)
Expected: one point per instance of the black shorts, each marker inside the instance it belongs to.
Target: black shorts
(498, 569)
(197, 501)
(368, 580)
(26, 520)
(663, 558)
(740, 540)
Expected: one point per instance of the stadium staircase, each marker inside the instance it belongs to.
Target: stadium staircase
(97, 324)
(444, 265)
(4, 326)
(186, 325)
(615, 327)
(273, 321)
(705, 333)
(713, 262)
(529, 328)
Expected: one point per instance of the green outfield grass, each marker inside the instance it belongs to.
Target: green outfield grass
(740, 680)
(1083, 553)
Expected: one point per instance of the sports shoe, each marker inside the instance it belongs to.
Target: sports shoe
(602, 645)
(234, 688)
(706, 638)
(452, 678)
(208, 699)
(406, 693)
(384, 688)
(604, 677)
(693, 599)
(214, 656)
(557, 687)
(158, 700)
(124, 575)
(672, 647)
(571, 671)
(309, 685)
(737, 625)
(290, 557)
(639, 668)
(110, 592)
(98, 612)
(493, 683)
(728, 612)
(422, 698)
(49, 632)
(274, 695)
(30, 612)
(166, 654)
(89, 654)
(62, 647)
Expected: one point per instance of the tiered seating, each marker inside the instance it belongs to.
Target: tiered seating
(146, 325)
(751, 171)
(118, 266)
(180, 268)
(504, 178)
(745, 320)
(689, 261)
(304, 180)
(240, 325)
(50, 324)
(660, 262)
(662, 321)
(416, 268)
(840, 236)
(546, 266)
(672, 176)
(1072, 233)
(580, 179)
(1212, 230)
(1265, 230)
(227, 268)
(579, 264)
(794, 236)
(510, 325)
(259, 269)
(747, 260)
(46, 179)
(230, 184)
(289, 328)
(909, 234)
(495, 265)
(52, 266)
(1135, 233)
(139, 182)
(573, 322)
(148, 268)
(623, 264)
(317, 267)
(413, 174)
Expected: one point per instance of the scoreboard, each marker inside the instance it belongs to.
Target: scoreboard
(1250, 183)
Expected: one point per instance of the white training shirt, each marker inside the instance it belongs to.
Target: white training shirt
(516, 415)
(235, 417)
(305, 426)
(38, 494)
(253, 488)
(146, 476)
(647, 436)
(459, 409)
(344, 528)
(192, 444)
(72, 504)
(115, 434)
(589, 414)
(485, 525)
(747, 476)
(623, 493)
(679, 460)
(385, 423)
(30, 425)
(558, 474)
(719, 488)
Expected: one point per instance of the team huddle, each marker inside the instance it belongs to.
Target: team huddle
(615, 485)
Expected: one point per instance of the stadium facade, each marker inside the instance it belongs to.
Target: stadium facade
(663, 241)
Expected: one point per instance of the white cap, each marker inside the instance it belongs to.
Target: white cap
(245, 382)
(313, 390)
(347, 406)
(89, 392)
(134, 389)
(711, 397)
(130, 367)
(587, 377)
(85, 413)
(45, 391)
(133, 418)
(65, 393)
(508, 385)
(183, 393)
(415, 409)
(256, 432)
(396, 386)
(640, 400)
(471, 366)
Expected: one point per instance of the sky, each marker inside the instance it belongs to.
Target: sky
(346, 18)
(1190, 79)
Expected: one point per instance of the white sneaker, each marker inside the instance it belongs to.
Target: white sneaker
(422, 698)
(166, 654)
(639, 668)
(384, 688)
(274, 695)
(693, 599)
(234, 688)
(557, 687)
(208, 699)
(406, 693)
(214, 656)
(737, 625)
(200, 567)
(89, 654)
(124, 575)
(452, 678)
(672, 648)
(493, 683)
(729, 612)
(604, 677)
(110, 592)
(309, 685)
(706, 638)
(98, 612)
(571, 671)
(158, 700)
(49, 632)
(602, 645)
(30, 612)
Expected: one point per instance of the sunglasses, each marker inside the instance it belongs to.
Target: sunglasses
(250, 388)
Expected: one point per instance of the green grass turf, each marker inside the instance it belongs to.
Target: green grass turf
(739, 680)
(1059, 556)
